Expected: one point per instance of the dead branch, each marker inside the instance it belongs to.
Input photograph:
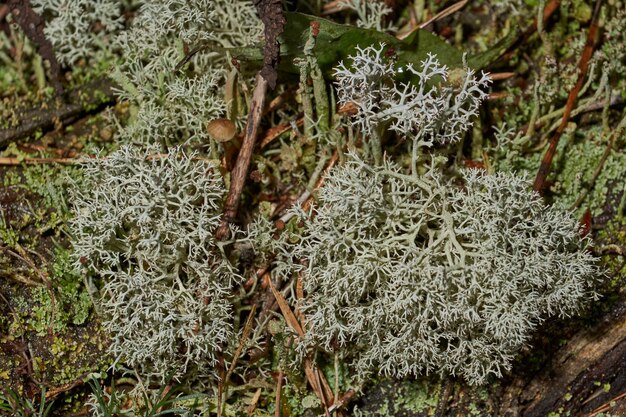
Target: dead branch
(271, 14)
(83, 100)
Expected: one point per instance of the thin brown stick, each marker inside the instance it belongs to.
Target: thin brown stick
(254, 402)
(166, 391)
(271, 14)
(497, 76)
(318, 377)
(320, 181)
(544, 168)
(299, 298)
(240, 171)
(445, 13)
(290, 318)
(274, 132)
(497, 95)
(347, 396)
(547, 12)
(279, 388)
(21, 279)
(247, 329)
(606, 406)
(7, 161)
(317, 381)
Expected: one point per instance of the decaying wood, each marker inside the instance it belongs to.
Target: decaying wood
(83, 100)
(584, 374)
(271, 14)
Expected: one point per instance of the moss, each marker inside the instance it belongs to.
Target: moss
(72, 302)
(296, 402)
(473, 410)
(58, 358)
(577, 162)
(399, 398)
(71, 354)
(69, 285)
(417, 396)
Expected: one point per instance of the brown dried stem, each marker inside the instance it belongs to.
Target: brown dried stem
(316, 380)
(279, 388)
(544, 168)
(270, 12)
(240, 171)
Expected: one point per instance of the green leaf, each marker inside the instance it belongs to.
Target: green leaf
(336, 42)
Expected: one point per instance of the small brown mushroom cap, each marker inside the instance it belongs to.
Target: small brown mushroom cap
(221, 130)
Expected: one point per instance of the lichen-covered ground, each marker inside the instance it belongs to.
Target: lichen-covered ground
(53, 349)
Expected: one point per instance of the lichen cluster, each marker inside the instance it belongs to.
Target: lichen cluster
(80, 29)
(426, 110)
(145, 223)
(415, 274)
(172, 106)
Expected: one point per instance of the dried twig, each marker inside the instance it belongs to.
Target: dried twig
(278, 130)
(35, 161)
(347, 396)
(67, 387)
(254, 402)
(606, 406)
(240, 171)
(544, 168)
(247, 329)
(271, 14)
(316, 380)
(279, 388)
(497, 76)
(548, 10)
(445, 13)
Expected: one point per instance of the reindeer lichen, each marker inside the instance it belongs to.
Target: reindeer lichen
(414, 274)
(144, 224)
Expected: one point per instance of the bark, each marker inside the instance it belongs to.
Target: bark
(587, 372)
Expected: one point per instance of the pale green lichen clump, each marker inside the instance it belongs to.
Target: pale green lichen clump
(145, 224)
(173, 106)
(421, 110)
(80, 28)
(414, 274)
